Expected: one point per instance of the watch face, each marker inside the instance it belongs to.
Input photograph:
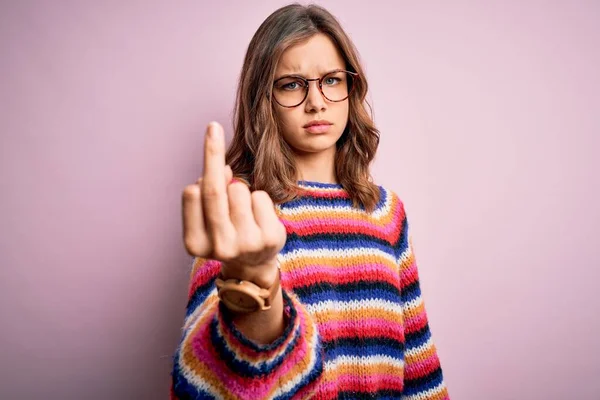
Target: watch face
(239, 300)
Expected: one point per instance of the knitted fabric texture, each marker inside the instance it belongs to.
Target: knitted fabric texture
(356, 328)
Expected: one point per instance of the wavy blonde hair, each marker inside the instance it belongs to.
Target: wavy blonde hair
(258, 154)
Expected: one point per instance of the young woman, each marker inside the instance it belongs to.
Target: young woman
(304, 283)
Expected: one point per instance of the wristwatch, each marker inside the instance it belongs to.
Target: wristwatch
(245, 296)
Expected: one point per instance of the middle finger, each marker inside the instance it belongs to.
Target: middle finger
(214, 190)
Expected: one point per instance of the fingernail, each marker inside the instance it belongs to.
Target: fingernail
(214, 130)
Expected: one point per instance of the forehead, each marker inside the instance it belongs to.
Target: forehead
(315, 56)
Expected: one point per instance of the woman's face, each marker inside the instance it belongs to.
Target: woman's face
(311, 59)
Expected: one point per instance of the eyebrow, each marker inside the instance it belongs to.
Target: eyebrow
(302, 76)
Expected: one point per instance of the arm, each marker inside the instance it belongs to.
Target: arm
(423, 378)
(229, 229)
(217, 360)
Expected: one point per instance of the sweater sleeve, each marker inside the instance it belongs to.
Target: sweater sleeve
(423, 378)
(215, 360)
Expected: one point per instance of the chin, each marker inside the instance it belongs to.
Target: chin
(315, 144)
(317, 150)
(306, 143)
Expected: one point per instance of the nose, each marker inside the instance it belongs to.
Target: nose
(315, 101)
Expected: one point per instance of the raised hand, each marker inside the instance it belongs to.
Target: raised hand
(224, 221)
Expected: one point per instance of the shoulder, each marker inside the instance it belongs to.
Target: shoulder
(390, 200)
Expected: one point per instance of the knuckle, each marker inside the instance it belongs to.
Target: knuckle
(270, 244)
(191, 192)
(271, 241)
(192, 246)
(239, 186)
(251, 243)
(276, 236)
(238, 191)
(260, 195)
(225, 252)
(211, 191)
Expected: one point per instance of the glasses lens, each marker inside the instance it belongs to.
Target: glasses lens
(289, 91)
(337, 85)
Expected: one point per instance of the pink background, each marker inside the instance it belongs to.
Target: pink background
(490, 131)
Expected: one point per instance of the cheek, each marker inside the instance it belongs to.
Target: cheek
(344, 111)
(340, 116)
(290, 120)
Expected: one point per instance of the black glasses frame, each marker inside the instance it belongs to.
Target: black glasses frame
(355, 76)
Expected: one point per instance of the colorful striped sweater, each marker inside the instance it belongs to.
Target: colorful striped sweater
(356, 322)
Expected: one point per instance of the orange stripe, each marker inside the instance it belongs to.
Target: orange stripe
(394, 317)
(203, 370)
(392, 203)
(300, 365)
(362, 370)
(198, 263)
(443, 394)
(198, 367)
(421, 356)
(414, 312)
(383, 219)
(337, 261)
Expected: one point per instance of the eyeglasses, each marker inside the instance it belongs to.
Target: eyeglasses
(291, 90)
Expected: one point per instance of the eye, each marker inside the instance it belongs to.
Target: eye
(290, 84)
(331, 80)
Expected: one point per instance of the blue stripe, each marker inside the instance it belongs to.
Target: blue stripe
(308, 378)
(337, 202)
(309, 297)
(402, 243)
(243, 367)
(369, 350)
(340, 242)
(418, 338)
(198, 297)
(184, 390)
(419, 385)
(411, 292)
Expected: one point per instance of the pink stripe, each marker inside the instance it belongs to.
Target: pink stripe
(305, 273)
(247, 353)
(204, 273)
(256, 388)
(360, 326)
(298, 354)
(364, 382)
(409, 274)
(418, 320)
(374, 381)
(308, 223)
(421, 368)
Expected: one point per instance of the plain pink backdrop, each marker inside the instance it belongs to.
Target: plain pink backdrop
(489, 113)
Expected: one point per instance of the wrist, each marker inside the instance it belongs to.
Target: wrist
(244, 293)
(261, 327)
(263, 275)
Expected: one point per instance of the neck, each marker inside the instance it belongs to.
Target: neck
(317, 167)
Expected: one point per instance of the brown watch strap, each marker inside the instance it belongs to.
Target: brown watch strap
(245, 296)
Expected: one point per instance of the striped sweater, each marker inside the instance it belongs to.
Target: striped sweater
(356, 324)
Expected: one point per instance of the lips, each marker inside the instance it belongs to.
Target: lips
(317, 127)
(320, 122)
